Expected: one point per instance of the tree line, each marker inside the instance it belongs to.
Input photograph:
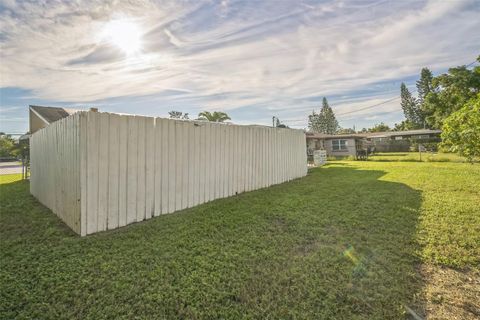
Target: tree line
(450, 102)
(437, 98)
(12, 148)
(215, 116)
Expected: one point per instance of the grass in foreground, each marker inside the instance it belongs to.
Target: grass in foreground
(345, 242)
(415, 156)
(405, 157)
(10, 178)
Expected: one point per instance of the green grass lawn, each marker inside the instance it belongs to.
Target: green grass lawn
(349, 241)
(9, 178)
(415, 156)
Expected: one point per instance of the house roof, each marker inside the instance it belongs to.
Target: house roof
(52, 114)
(311, 135)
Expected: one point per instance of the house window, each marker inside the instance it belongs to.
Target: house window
(339, 145)
(422, 136)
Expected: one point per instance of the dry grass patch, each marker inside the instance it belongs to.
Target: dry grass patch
(451, 294)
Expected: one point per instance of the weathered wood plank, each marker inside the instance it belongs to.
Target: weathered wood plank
(132, 169)
(141, 168)
(157, 167)
(122, 170)
(92, 172)
(202, 167)
(149, 167)
(165, 154)
(172, 165)
(113, 171)
(103, 164)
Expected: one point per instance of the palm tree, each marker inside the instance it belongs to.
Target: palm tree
(178, 115)
(213, 117)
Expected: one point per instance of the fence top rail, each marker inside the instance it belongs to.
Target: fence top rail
(194, 121)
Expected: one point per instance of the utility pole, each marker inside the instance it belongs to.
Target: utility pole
(273, 121)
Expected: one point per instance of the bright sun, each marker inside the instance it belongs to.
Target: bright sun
(124, 34)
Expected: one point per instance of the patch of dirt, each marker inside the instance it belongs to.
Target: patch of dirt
(279, 223)
(307, 248)
(450, 294)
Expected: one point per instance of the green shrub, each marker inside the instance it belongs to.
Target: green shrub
(461, 130)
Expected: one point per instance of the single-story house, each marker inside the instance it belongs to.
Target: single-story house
(40, 117)
(357, 143)
(336, 144)
(401, 141)
(421, 134)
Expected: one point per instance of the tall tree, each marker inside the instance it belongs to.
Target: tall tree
(7, 145)
(10, 147)
(346, 131)
(424, 87)
(404, 125)
(380, 127)
(324, 121)
(213, 116)
(424, 84)
(279, 124)
(178, 115)
(450, 93)
(410, 107)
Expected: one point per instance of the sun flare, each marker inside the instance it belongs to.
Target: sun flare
(124, 34)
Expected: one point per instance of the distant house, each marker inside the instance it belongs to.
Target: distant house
(336, 145)
(351, 144)
(400, 141)
(40, 117)
(421, 134)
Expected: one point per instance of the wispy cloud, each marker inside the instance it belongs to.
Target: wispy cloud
(275, 56)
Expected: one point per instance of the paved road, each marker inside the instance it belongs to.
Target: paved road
(10, 167)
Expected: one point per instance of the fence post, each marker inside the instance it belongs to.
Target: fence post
(23, 168)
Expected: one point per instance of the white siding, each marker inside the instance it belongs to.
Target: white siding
(101, 171)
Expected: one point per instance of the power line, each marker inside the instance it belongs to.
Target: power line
(293, 120)
(383, 102)
(349, 112)
(365, 108)
(369, 107)
(468, 65)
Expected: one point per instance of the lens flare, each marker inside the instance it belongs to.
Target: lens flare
(350, 253)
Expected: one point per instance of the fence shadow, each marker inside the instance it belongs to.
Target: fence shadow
(339, 243)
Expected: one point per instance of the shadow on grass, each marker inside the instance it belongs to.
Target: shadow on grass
(339, 243)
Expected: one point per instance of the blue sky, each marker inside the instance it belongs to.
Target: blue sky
(251, 59)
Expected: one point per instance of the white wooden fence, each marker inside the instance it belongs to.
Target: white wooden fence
(55, 159)
(101, 171)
